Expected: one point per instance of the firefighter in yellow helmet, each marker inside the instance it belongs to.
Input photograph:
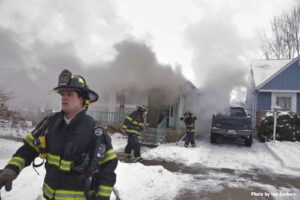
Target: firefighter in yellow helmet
(80, 161)
(133, 125)
(189, 120)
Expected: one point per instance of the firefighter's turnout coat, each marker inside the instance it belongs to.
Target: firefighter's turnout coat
(66, 145)
(189, 120)
(133, 124)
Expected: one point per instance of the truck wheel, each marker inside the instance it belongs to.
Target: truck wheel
(213, 138)
(248, 142)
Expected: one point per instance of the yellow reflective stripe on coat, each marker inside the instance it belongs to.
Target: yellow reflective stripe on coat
(138, 123)
(64, 165)
(192, 130)
(53, 159)
(18, 162)
(63, 194)
(124, 126)
(129, 118)
(109, 155)
(29, 140)
(104, 191)
(132, 131)
(190, 125)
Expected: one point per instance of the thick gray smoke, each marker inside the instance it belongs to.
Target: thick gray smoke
(134, 70)
(217, 49)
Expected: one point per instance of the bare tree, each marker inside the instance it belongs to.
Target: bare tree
(284, 42)
(9, 117)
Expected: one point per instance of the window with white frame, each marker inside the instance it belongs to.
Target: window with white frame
(284, 102)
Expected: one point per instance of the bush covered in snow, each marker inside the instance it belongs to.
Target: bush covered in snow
(287, 128)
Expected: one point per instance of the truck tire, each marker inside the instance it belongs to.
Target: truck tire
(248, 141)
(213, 138)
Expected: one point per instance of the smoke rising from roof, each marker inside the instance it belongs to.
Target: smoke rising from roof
(217, 49)
(134, 70)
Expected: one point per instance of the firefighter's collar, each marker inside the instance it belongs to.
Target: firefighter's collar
(70, 119)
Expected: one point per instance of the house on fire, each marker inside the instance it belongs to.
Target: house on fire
(273, 83)
(164, 111)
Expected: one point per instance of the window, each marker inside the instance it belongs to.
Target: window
(236, 111)
(284, 102)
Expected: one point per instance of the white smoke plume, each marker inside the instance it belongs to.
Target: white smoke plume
(217, 51)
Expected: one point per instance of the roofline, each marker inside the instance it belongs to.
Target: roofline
(290, 91)
(278, 72)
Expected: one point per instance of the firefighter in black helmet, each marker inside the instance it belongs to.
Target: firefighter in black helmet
(133, 125)
(189, 120)
(80, 161)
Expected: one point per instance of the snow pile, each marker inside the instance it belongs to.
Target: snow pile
(136, 182)
(287, 152)
(119, 142)
(179, 154)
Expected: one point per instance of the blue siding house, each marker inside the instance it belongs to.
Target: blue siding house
(273, 83)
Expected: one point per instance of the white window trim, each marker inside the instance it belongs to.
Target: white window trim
(283, 94)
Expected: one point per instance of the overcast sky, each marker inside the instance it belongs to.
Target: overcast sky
(199, 38)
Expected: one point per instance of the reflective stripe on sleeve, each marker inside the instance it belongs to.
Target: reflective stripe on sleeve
(104, 191)
(18, 162)
(138, 123)
(62, 194)
(109, 155)
(29, 140)
(129, 118)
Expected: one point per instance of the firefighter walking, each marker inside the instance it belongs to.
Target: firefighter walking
(189, 120)
(80, 160)
(133, 125)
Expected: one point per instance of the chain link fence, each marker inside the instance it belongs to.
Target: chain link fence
(115, 119)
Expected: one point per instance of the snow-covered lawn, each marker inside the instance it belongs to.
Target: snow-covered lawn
(136, 181)
(231, 156)
(287, 152)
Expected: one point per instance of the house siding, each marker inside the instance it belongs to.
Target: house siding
(264, 101)
(286, 80)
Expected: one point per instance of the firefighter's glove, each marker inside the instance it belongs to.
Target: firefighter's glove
(6, 178)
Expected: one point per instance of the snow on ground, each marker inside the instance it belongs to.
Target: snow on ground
(13, 132)
(28, 184)
(287, 152)
(228, 156)
(150, 182)
(138, 182)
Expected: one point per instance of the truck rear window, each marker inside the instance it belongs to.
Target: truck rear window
(237, 112)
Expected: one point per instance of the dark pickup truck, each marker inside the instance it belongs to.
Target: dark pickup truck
(236, 124)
